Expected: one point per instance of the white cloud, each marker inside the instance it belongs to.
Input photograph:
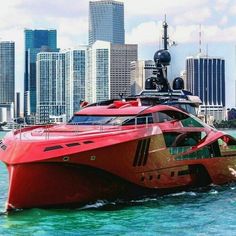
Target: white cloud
(224, 20)
(193, 16)
(221, 5)
(158, 8)
(147, 33)
(232, 10)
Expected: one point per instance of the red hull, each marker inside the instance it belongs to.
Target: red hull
(68, 165)
(55, 185)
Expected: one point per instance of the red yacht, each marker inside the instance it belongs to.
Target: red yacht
(120, 150)
(151, 143)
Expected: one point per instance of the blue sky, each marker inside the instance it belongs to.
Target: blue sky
(143, 20)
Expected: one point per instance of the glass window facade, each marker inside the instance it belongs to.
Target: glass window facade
(106, 21)
(50, 86)
(35, 41)
(206, 79)
(7, 72)
(75, 76)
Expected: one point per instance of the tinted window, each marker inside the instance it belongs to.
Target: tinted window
(144, 119)
(99, 120)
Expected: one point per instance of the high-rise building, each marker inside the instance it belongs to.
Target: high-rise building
(7, 72)
(60, 83)
(120, 59)
(7, 80)
(17, 105)
(109, 70)
(75, 75)
(206, 79)
(140, 71)
(106, 21)
(35, 41)
(50, 67)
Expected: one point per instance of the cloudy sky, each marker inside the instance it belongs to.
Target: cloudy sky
(143, 20)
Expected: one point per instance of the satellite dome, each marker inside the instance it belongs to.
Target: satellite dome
(162, 57)
(178, 83)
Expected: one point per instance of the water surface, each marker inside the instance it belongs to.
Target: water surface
(205, 211)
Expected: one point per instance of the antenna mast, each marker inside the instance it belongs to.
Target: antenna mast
(165, 36)
(200, 39)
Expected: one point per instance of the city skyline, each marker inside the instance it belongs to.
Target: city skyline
(142, 25)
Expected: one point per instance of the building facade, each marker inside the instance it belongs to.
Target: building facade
(17, 105)
(60, 83)
(35, 41)
(7, 80)
(206, 78)
(120, 59)
(106, 21)
(140, 71)
(50, 67)
(75, 76)
(98, 80)
(109, 70)
(7, 72)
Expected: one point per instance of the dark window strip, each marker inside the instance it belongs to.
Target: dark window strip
(72, 144)
(146, 152)
(53, 148)
(87, 142)
(135, 162)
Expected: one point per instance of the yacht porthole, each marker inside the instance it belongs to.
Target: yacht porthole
(66, 158)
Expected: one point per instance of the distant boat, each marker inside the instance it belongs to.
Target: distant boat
(5, 128)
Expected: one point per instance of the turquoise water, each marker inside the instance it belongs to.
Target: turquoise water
(209, 211)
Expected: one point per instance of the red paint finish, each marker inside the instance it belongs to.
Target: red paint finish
(76, 164)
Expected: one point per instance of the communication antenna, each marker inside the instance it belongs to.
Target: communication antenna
(165, 36)
(200, 39)
(207, 50)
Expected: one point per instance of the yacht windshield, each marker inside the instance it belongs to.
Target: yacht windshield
(110, 120)
(98, 120)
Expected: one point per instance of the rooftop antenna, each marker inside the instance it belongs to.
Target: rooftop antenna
(165, 36)
(200, 39)
(207, 50)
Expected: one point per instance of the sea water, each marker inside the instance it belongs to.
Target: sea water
(202, 211)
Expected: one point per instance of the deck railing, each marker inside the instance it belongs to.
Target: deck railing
(133, 123)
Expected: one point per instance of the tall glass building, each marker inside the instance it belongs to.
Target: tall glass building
(206, 79)
(106, 21)
(35, 42)
(60, 83)
(50, 67)
(75, 76)
(109, 70)
(7, 72)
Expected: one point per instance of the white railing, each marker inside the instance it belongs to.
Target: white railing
(132, 123)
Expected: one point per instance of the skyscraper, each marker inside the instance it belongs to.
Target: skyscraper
(120, 61)
(60, 82)
(106, 21)
(17, 105)
(7, 72)
(35, 42)
(140, 71)
(206, 79)
(7, 80)
(109, 70)
(50, 85)
(75, 76)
